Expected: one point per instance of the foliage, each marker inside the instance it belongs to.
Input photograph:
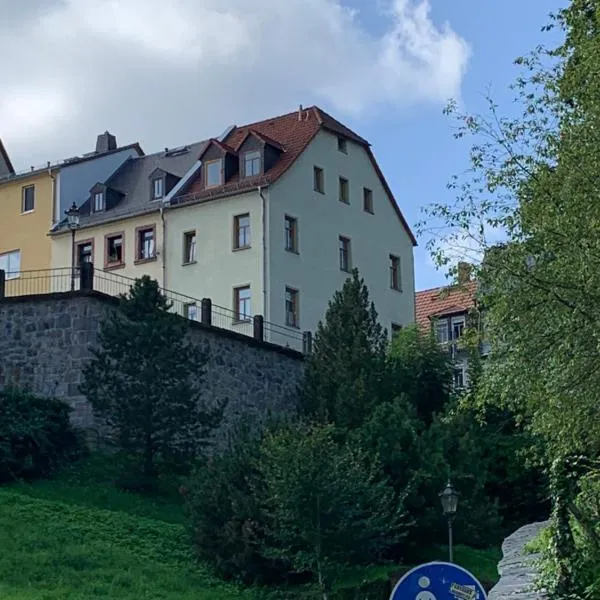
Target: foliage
(345, 373)
(36, 436)
(145, 381)
(327, 504)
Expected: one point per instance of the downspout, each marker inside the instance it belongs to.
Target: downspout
(263, 216)
(55, 216)
(164, 247)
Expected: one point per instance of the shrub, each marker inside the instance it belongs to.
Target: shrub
(36, 436)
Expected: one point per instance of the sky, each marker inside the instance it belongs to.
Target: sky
(169, 73)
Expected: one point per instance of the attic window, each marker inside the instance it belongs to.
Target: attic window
(214, 173)
(252, 163)
(98, 201)
(158, 188)
(342, 145)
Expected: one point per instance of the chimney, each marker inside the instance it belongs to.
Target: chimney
(106, 142)
(464, 272)
(300, 113)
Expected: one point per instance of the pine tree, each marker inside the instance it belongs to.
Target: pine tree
(145, 382)
(345, 375)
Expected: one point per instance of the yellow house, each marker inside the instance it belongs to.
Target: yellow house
(33, 201)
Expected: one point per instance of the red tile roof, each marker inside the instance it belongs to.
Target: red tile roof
(441, 301)
(292, 133)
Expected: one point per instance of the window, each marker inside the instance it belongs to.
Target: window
(158, 188)
(291, 234)
(342, 145)
(395, 328)
(214, 173)
(115, 255)
(344, 245)
(241, 227)
(441, 331)
(10, 263)
(458, 326)
(291, 307)
(395, 272)
(368, 200)
(252, 163)
(242, 303)
(85, 252)
(319, 180)
(458, 377)
(190, 311)
(28, 198)
(344, 191)
(98, 201)
(145, 243)
(189, 247)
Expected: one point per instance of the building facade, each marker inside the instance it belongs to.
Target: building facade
(269, 218)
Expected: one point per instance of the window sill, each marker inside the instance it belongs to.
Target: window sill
(114, 266)
(396, 289)
(28, 212)
(369, 212)
(346, 202)
(188, 263)
(141, 261)
(295, 326)
(241, 248)
(348, 270)
(292, 251)
(319, 192)
(241, 321)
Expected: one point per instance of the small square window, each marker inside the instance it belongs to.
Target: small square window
(158, 188)
(242, 301)
(342, 144)
(291, 234)
(252, 163)
(291, 307)
(189, 247)
(145, 243)
(214, 173)
(368, 200)
(28, 202)
(395, 272)
(344, 194)
(190, 311)
(241, 231)
(114, 250)
(319, 180)
(344, 246)
(98, 201)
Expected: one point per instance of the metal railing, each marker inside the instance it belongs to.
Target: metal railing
(86, 277)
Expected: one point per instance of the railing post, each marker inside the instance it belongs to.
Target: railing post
(306, 342)
(206, 311)
(259, 327)
(2, 283)
(86, 276)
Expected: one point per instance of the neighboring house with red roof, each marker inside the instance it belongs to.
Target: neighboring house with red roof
(269, 218)
(445, 311)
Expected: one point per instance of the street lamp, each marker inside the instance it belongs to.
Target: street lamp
(449, 499)
(73, 222)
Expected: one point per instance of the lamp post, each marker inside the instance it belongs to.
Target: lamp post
(73, 222)
(449, 499)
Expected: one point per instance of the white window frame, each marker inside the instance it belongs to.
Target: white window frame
(10, 263)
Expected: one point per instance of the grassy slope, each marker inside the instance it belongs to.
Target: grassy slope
(77, 537)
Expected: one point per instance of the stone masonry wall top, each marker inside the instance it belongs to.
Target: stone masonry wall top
(45, 342)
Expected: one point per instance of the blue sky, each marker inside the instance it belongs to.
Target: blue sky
(415, 147)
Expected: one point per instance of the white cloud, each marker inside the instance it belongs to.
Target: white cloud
(166, 73)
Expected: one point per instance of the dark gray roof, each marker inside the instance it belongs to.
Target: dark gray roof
(132, 181)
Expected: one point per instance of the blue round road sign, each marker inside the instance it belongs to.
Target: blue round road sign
(438, 581)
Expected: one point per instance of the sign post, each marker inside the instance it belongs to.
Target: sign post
(438, 581)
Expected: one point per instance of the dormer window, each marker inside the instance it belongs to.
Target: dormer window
(252, 163)
(214, 173)
(158, 188)
(98, 201)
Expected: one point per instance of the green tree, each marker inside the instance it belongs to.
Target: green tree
(345, 375)
(145, 382)
(328, 505)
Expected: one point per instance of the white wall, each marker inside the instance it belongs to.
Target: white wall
(218, 268)
(322, 218)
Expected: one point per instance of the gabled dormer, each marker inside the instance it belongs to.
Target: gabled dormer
(258, 153)
(219, 164)
(161, 183)
(103, 197)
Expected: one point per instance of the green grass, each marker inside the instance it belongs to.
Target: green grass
(77, 537)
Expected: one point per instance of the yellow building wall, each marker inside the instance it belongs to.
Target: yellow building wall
(111, 280)
(27, 231)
